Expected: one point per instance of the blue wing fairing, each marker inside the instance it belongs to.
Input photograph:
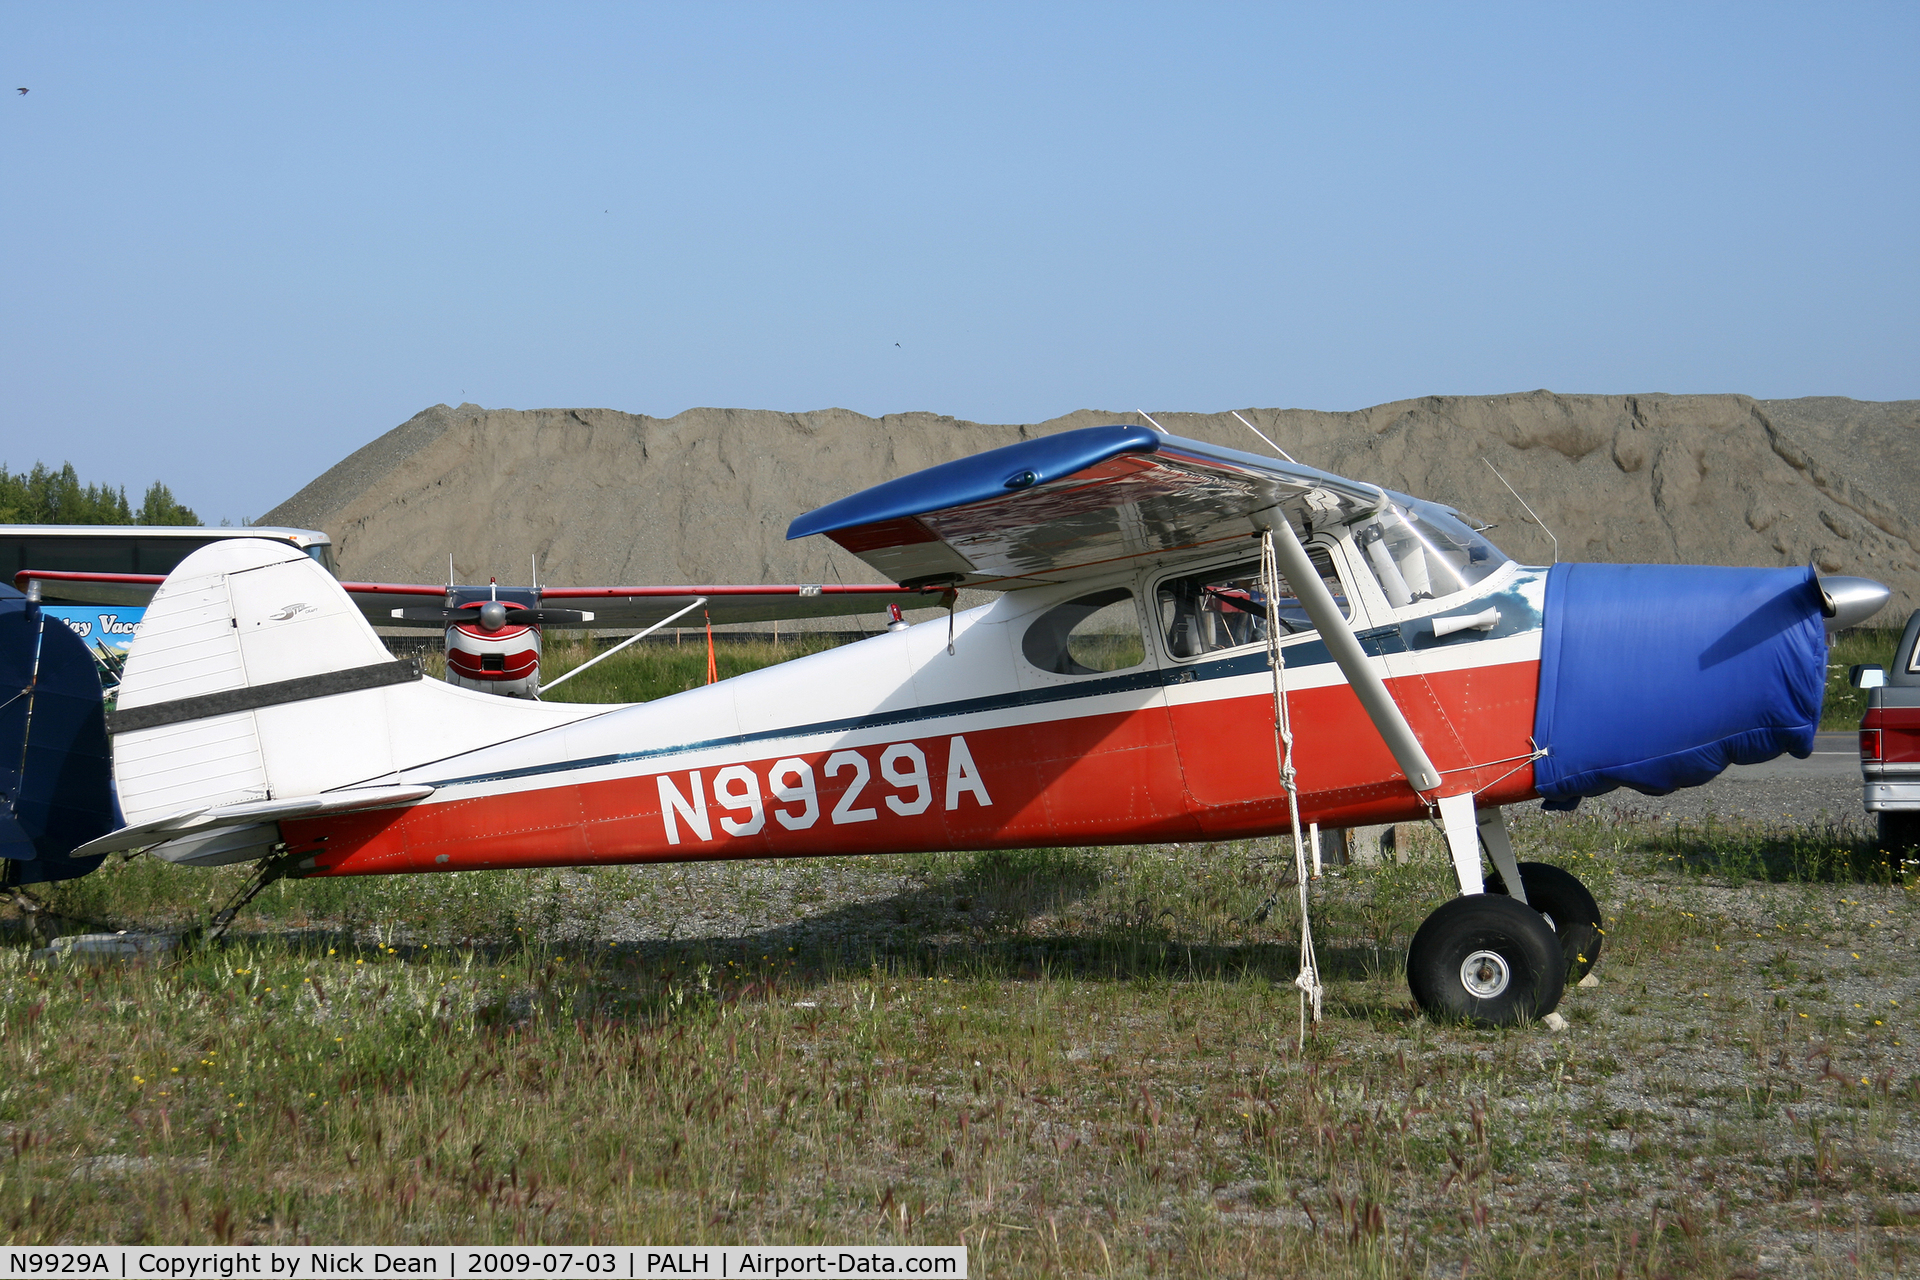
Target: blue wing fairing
(1657, 677)
(56, 787)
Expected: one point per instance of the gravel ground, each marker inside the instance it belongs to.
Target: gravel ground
(1745, 1067)
(1770, 800)
(1824, 787)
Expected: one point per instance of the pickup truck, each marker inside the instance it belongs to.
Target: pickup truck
(1890, 741)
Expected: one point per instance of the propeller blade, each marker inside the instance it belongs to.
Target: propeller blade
(552, 617)
(515, 615)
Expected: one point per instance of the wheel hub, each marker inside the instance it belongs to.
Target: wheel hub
(1485, 974)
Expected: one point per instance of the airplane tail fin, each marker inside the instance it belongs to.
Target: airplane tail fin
(256, 690)
(236, 639)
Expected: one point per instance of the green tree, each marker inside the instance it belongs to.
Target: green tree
(159, 507)
(45, 496)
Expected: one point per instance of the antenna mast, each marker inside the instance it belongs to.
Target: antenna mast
(1263, 435)
(1529, 510)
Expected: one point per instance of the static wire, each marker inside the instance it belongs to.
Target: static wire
(1308, 979)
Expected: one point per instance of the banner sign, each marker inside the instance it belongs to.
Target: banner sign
(99, 624)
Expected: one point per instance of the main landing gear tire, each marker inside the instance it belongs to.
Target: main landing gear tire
(1486, 959)
(1569, 908)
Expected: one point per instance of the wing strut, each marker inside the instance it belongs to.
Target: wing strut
(1338, 637)
(629, 640)
(1456, 812)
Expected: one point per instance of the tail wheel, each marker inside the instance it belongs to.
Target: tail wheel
(1486, 959)
(1569, 908)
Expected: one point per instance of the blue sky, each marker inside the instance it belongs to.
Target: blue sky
(241, 241)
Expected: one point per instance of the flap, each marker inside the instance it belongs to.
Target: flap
(1074, 505)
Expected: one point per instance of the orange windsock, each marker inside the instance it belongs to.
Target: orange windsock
(713, 672)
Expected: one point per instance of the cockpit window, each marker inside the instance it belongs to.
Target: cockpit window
(1087, 635)
(1225, 608)
(1420, 552)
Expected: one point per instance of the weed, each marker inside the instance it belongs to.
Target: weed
(1845, 704)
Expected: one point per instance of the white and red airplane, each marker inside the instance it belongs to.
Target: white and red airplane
(1165, 605)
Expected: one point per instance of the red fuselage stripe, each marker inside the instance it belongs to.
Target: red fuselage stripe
(1199, 771)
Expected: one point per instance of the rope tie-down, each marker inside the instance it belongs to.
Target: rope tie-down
(1308, 979)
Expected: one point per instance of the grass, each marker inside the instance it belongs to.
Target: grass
(646, 671)
(1075, 1061)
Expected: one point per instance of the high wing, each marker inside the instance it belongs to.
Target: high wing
(611, 607)
(1071, 505)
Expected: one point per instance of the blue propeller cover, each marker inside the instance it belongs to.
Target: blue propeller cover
(1657, 677)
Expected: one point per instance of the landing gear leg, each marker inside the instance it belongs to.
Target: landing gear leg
(1492, 824)
(266, 871)
(1463, 840)
(1485, 957)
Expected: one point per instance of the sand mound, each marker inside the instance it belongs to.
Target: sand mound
(607, 497)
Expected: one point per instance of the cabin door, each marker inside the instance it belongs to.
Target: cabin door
(1219, 688)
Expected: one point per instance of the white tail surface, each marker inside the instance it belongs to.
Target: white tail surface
(243, 613)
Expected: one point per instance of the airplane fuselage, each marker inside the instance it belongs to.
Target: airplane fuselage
(895, 744)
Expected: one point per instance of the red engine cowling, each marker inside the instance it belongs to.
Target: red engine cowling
(505, 662)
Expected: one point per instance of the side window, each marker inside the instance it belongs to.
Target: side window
(1224, 607)
(1086, 636)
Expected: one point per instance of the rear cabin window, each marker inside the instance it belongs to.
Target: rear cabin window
(1224, 607)
(1087, 636)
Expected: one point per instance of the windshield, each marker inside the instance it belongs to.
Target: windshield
(1419, 551)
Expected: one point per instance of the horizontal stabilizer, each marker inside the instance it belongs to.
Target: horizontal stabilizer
(197, 820)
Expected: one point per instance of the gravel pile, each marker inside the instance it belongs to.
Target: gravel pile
(602, 496)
